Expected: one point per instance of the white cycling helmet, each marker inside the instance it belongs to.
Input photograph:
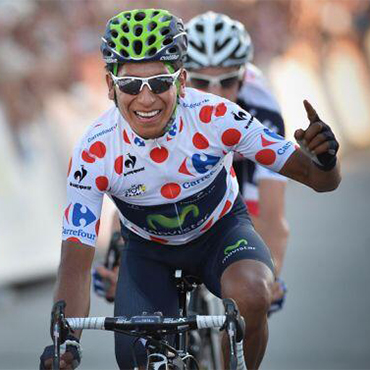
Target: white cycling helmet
(215, 40)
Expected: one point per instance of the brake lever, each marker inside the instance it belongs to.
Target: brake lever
(59, 330)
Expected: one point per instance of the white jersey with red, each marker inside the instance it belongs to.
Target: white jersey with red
(173, 188)
(256, 97)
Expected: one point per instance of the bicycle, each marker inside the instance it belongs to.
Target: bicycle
(153, 329)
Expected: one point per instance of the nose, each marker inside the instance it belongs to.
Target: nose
(146, 97)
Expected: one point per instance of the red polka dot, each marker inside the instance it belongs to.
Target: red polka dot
(227, 206)
(232, 172)
(266, 157)
(98, 149)
(102, 183)
(87, 157)
(125, 137)
(171, 190)
(231, 137)
(205, 114)
(159, 155)
(74, 240)
(181, 124)
(69, 166)
(209, 224)
(97, 227)
(158, 240)
(200, 142)
(220, 110)
(118, 165)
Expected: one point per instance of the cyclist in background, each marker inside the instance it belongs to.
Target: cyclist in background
(161, 153)
(218, 61)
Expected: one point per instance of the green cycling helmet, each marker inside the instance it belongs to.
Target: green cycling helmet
(144, 35)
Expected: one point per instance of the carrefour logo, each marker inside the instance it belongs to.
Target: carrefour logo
(204, 162)
(284, 148)
(82, 215)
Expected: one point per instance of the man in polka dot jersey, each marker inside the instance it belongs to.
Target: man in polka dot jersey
(162, 154)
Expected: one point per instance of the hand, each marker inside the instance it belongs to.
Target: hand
(278, 292)
(105, 282)
(68, 360)
(318, 140)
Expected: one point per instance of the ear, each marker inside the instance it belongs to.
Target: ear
(182, 80)
(110, 84)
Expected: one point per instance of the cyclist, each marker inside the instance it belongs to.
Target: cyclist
(218, 61)
(161, 154)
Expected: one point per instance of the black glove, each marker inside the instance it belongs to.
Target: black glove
(72, 345)
(328, 160)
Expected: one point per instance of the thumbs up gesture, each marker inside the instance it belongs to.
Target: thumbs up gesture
(318, 140)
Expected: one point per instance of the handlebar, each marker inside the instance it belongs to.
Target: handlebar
(148, 325)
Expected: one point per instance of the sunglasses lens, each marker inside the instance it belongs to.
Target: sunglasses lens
(160, 84)
(228, 82)
(199, 83)
(129, 86)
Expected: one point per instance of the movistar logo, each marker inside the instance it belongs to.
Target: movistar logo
(235, 246)
(172, 222)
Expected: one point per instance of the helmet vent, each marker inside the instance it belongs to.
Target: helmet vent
(173, 50)
(151, 40)
(111, 44)
(114, 33)
(168, 41)
(152, 26)
(138, 47)
(125, 28)
(151, 52)
(199, 28)
(124, 41)
(218, 26)
(115, 21)
(138, 30)
(127, 16)
(155, 13)
(139, 16)
(124, 53)
(165, 31)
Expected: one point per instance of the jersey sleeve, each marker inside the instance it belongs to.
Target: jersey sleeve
(81, 217)
(242, 133)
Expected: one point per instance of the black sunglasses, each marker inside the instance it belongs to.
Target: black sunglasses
(158, 84)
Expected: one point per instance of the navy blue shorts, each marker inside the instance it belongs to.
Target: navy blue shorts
(146, 281)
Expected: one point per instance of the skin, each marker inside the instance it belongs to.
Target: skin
(248, 282)
(146, 100)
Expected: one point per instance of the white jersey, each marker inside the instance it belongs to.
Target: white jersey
(173, 188)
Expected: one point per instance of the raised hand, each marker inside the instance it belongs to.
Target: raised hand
(318, 140)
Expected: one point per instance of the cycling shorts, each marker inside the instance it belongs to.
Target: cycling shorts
(146, 281)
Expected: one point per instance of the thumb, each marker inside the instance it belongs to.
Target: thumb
(311, 112)
(299, 134)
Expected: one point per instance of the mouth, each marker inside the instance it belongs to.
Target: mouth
(148, 116)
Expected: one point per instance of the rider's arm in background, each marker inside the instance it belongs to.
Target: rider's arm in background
(271, 223)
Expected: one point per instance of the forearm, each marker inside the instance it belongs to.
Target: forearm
(323, 181)
(73, 280)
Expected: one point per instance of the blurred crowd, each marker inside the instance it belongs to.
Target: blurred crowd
(51, 47)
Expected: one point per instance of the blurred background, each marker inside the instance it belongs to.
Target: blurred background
(51, 88)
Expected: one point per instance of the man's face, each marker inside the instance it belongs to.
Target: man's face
(147, 113)
(227, 87)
